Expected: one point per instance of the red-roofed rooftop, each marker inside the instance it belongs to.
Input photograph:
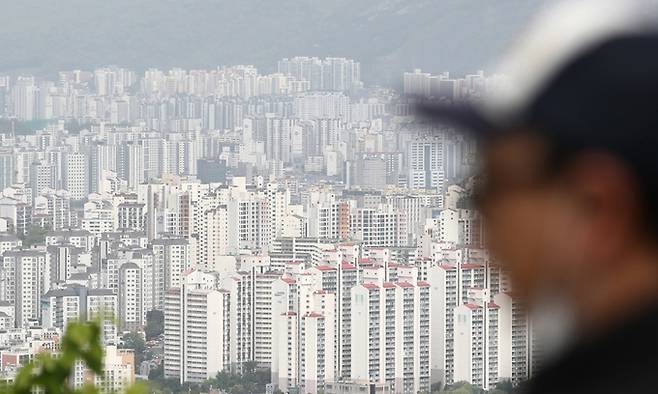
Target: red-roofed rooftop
(471, 266)
(325, 268)
(188, 271)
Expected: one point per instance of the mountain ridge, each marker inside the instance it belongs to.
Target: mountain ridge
(387, 37)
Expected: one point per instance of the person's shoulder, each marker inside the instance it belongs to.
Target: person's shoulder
(625, 360)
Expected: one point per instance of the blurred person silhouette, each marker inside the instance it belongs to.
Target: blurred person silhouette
(570, 189)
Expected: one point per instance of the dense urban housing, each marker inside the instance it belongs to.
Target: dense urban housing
(297, 222)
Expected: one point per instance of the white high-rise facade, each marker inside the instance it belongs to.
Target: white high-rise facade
(76, 175)
(391, 334)
(136, 288)
(196, 344)
(249, 214)
(210, 231)
(477, 344)
(24, 279)
(317, 343)
(304, 334)
(416, 83)
(171, 259)
(74, 303)
(425, 156)
(386, 226)
(24, 98)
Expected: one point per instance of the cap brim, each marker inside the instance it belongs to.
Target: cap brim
(463, 116)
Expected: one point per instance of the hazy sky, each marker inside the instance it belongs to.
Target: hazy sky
(387, 36)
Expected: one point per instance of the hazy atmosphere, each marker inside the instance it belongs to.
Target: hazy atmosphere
(328, 197)
(387, 37)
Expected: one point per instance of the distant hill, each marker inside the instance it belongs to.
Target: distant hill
(387, 36)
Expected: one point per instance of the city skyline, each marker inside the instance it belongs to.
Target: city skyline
(328, 197)
(300, 222)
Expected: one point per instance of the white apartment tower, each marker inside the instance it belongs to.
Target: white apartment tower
(477, 344)
(251, 311)
(24, 278)
(385, 226)
(460, 226)
(514, 339)
(304, 334)
(131, 216)
(136, 289)
(73, 303)
(249, 214)
(416, 83)
(443, 300)
(317, 343)
(171, 258)
(76, 175)
(196, 329)
(24, 98)
(211, 232)
(425, 161)
(284, 332)
(390, 335)
(348, 278)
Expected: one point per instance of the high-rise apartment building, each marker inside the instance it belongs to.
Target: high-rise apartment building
(391, 334)
(171, 259)
(385, 226)
(425, 163)
(76, 175)
(24, 98)
(196, 329)
(24, 275)
(7, 167)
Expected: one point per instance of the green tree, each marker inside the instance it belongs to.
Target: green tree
(252, 380)
(463, 388)
(239, 389)
(164, 386)
(436, 387)
(154, 324)
(504, 386)
(157, 373)
(50, 374)
(249, 367)
(133, 340)
(35, 236)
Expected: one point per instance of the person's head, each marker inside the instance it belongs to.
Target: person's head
(570, 149)
(556, 220)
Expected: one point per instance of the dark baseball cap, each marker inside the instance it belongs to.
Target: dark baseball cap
(584, 75)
